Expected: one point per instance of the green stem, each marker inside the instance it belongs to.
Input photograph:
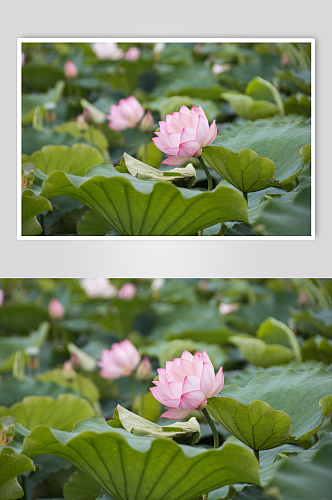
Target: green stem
(207, 173)
(245, 196)
(142, 397)
(145, 147)
(137, 140)
(213, 428)
(79, 385)
(133, 391)
(205, 496)
(257, 454)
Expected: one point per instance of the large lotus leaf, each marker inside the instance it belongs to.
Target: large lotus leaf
(92, 224)
(259, 353)
(317, 348)
(81, 487)
(298, 479)
(262, 89)
(232, 129)
(273, 331)
(320, 320)
(74, 160)
(275, 409)
(80, 384)
(60, 413)
(10, 345)
(40, 77)
(135, 207)
(300, 79)
(280, 142)
(32, 205)
(30, 101)
(33, 140)
(245, 170)
(90, 134)
(248, 108)
(285, 216)
(299, 104)
(11, 466)
(129, 467)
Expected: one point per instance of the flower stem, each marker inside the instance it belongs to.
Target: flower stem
(205, 496)
(133, 391)
(257, 454)
(142, 397)
(213, 428)
(146, 140)
(207, 173)
(137, 140)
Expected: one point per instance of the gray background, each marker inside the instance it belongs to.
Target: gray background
(176, 258)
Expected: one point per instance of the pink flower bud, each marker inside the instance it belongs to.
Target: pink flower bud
(2, 297)
(68, 369)
(128, 291)
(106, 51)
(81, 123)
(98, 287)
(186, 383)
(225, 308)
(119, 361)
(74, 359)
(56, 309)
(286, 60)
(22, 59)
(144, 370)
(303, 299)
(132, 54)
(127, 114)
(87, 114)
(183, 135)
(217, 69)
(70, 69)
(147, 123)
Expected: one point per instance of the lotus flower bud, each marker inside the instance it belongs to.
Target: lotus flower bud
(98, 287)
(225, 308)
(128, 291)
(217, 69)
(68, 370)
(56, 309)
(106, 51)
(184, 134)
(127, 114)
(2, 297)
(147, 123)
(81, 123)
(119, 361)
(87, 114)
(157, 284)
(286, 60)
(186, 384)
(22, 59)
(159, 47)
(144, 370)
(132, 54)
(303, 299)
(70, 69)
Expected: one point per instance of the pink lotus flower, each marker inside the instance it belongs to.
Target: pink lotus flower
(128, 291)
(70, 69)
(119, 361)
(186, 383)
(56, 309)
(98, 287)
(126, 114)
(183, 135)
(144, 369)
(105, 51)
(132, 54)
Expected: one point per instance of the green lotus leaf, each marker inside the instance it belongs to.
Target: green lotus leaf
(129, 467)
(74, 160)
(251, 493)
(80, 384)
(259, 353)
(275, 409)
(273, 331)
(280, 142)
(32, 205)
(246, 107)
(135, 207)
(297, 479)
(31, 101)
(185, 176)
(300, 79)
(60, 413)
(33, 140)
(317, 348)
(262, 89)
(11, 466)
(321, 320)
(299, 104)
(91, 134)
(139, 426)
(81, 487)
(10, 345)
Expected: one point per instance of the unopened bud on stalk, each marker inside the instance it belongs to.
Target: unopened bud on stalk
(68, 370)
(144, 370)
(147, 123)
(56, 309)
(81, 123)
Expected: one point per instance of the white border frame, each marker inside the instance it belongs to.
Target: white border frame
(166, 40)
